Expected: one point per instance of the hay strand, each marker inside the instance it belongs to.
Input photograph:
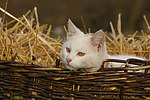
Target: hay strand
(25, 41)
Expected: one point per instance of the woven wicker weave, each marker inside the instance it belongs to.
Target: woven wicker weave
(19, 81)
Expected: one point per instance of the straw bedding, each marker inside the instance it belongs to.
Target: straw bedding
(30, 60)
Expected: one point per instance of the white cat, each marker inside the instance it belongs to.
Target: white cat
(85, 51)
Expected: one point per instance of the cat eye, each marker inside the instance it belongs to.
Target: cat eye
(68, 50)
(81, 54)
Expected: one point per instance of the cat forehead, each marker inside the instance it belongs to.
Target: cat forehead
(79, 42)
(83, 37)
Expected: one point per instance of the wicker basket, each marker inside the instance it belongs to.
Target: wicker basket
(19, 81)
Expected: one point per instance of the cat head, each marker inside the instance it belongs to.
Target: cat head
(83, 50)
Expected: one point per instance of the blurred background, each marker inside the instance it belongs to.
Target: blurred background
(97, 14)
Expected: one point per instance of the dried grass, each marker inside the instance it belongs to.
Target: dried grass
(131, 45)
(26, 42)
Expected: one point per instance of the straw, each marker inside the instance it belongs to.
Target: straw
(27, 42)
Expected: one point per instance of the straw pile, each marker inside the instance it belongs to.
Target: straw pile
(26, 42)
(131, 45)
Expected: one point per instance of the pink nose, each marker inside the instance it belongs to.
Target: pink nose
(68, 60)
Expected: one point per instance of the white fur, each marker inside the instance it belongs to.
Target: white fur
(123, 57)
(92, 45)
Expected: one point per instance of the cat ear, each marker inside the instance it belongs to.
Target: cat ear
(98, 38)
(72, 30)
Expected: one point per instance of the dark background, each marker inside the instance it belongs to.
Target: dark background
(96, 13)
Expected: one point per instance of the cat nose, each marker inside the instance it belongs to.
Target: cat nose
(68, 60)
